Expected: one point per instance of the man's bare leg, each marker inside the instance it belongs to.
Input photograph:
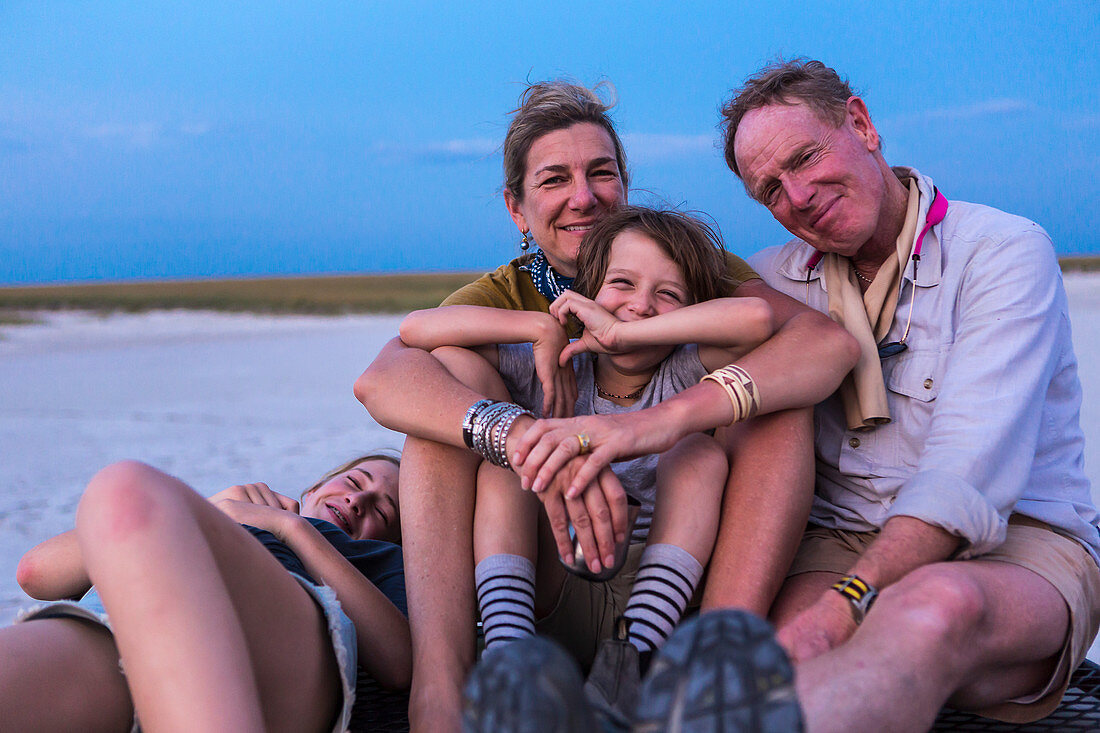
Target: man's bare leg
(974, 632)
(764, 509)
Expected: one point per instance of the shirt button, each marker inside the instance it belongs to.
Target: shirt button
(928, 384)
(854, 442)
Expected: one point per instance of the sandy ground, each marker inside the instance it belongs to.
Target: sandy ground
(220, 399)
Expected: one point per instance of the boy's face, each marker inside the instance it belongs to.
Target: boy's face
(641, 281)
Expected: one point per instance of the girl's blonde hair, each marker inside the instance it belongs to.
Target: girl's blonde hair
(393, 457)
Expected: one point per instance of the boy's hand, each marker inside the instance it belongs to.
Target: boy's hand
(601, 329)
(559, 382)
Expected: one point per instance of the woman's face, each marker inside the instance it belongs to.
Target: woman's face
(572, 181)
(641, 281)
(362, 501)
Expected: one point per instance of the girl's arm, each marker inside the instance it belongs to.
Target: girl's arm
(725, 328)
(385, 649)
(53, 569)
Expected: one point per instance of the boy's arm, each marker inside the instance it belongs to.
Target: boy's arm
(54, 569)
(472, 326)
(730, 325)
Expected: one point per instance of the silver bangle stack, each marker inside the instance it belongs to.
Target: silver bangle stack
(486, 426)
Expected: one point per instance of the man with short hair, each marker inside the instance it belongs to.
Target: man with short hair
(951, 555)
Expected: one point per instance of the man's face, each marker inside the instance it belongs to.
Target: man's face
(824, 183)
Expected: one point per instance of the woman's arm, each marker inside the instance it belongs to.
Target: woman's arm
(54, 569)
(385, 649)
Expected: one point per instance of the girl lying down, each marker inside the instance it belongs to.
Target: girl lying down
(193, 624)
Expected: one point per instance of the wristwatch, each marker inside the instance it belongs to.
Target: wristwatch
(860, 594)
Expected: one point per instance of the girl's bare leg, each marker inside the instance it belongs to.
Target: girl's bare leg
(61, 674)
(213, 632)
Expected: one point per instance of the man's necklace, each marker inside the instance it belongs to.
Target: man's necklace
(861, 276)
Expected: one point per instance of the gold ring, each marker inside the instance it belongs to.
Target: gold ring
(586, 444)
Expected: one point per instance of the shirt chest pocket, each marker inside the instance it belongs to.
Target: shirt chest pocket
(916, 375)
(913, 385)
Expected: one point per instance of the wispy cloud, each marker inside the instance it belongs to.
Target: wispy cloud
(641, 146)
(1000, 107)
(646, 146)
(195, 129)
(137, 135)
(447, 151)
(1082, 122)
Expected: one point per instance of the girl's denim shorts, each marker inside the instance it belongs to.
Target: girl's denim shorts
(341, 630)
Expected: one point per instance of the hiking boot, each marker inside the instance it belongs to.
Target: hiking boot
(527, 686)
(613, 681)
(721, 671)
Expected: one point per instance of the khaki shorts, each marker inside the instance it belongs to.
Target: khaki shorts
(585, 612)
(1030, 544)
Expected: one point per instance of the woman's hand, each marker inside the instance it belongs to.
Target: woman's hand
(556, 375)
(602, 333)
(548, 445)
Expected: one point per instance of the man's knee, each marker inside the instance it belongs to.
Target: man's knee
(936, 603)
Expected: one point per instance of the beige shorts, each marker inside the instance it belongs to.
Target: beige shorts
(585, 612)
(1030, 544)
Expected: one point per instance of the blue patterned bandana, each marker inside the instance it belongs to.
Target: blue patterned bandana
(548, 281)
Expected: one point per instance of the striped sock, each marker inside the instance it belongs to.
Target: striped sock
(506, 597)
(667, 576)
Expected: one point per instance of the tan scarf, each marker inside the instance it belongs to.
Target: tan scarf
(868, 317)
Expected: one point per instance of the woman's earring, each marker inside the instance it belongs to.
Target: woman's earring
(525, 242)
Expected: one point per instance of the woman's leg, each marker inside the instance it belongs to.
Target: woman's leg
(214, 634)
(437, 512)
(61, 674)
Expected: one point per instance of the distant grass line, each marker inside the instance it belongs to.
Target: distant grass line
(1082, 263)
(323, 295)
(332, 294)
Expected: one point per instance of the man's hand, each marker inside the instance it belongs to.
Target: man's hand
(598, 515)
(825, 625)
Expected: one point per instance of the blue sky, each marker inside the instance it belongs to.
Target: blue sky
(163, 139)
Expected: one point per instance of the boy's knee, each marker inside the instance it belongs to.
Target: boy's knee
(697, 451)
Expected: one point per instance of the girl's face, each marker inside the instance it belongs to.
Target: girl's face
(572, 182)
(362, 501)
(641, 281)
